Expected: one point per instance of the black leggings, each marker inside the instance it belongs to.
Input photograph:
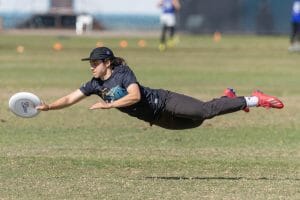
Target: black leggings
(166, 28)
(184, 112)
(295, 35)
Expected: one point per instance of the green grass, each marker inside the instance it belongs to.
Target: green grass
(80, 154)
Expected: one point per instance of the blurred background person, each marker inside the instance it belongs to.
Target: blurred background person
(84, 22)
(264, 18)
(295, 34)
(168, 21)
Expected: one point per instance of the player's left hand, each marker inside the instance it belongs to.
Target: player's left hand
(101, 105)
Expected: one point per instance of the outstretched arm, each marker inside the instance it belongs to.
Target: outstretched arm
(131, 98)
(176, 4)
(63, 102)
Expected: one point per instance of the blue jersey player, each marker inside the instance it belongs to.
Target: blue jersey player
(168, 21)
(115, 83)
(295, 33)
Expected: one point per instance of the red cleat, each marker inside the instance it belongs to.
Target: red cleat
(230, 93)
(267, 101)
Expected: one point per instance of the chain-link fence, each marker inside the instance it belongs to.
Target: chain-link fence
(236, 16)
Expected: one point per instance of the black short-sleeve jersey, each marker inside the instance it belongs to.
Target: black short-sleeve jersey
(147, 109)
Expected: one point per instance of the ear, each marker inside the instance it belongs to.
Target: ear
(107, 63)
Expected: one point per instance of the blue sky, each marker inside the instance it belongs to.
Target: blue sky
(24, 5)
(148, 7)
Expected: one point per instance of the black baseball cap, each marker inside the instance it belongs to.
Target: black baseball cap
(100, 53)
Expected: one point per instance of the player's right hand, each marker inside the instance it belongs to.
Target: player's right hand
(43, 107)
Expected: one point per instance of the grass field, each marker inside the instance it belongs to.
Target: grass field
(80, 154)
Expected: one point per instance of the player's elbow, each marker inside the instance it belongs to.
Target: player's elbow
(134, 93)
(137, 97)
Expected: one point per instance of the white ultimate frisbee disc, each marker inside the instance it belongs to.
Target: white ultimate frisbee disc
(23, 104)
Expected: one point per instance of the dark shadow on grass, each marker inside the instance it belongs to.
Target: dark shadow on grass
(220, 178)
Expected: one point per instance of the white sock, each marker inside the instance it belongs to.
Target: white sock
(251, 101)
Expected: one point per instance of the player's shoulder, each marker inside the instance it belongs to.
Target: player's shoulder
(122, 69)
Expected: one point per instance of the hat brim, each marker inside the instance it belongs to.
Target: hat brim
(85, 59)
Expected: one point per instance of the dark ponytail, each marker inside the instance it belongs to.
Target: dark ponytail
(117, 61)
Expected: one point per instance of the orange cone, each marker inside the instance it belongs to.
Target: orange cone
(123, 44)
(217, 36)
